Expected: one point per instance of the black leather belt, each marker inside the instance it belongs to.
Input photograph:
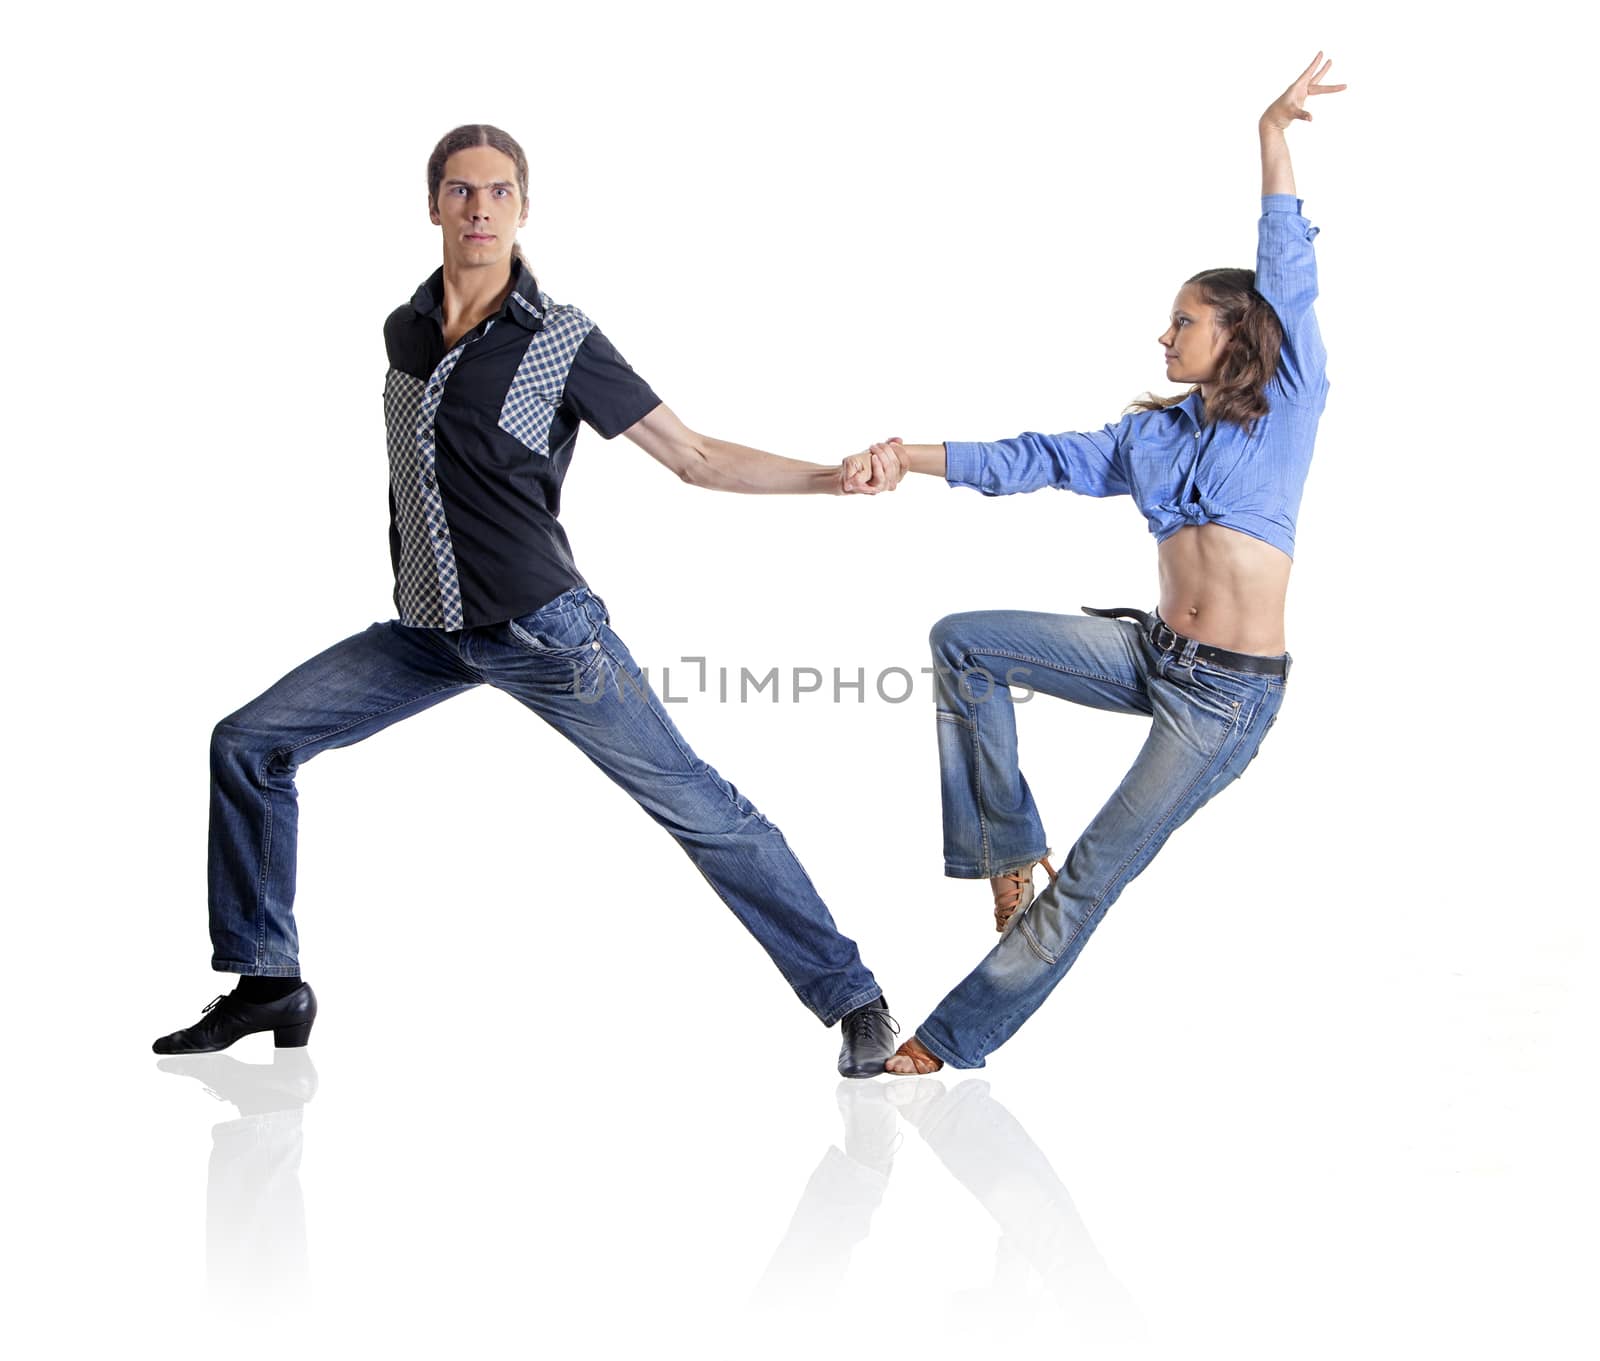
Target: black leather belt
(1165, 639)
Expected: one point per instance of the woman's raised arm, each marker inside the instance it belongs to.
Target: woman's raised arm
(1277, 173)
(1286, 268)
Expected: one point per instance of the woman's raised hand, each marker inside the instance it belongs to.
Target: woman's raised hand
(1291, 104)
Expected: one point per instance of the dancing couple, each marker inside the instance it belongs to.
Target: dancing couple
(488, 382)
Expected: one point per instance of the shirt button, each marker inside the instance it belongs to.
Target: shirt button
(427, 479)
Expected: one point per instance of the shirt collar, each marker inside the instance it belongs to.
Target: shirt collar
(428, 300)
(1191, 407)
(524, 304)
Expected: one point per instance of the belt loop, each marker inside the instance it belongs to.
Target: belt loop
(1190, 646)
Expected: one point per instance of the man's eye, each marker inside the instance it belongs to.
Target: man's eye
(502, 191)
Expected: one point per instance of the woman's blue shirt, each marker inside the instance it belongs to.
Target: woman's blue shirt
(1179, 470)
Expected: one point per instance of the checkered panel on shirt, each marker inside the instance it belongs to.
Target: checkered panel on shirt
(535, 392)
(427, 588)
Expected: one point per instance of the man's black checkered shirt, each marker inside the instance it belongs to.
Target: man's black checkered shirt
(480, 438)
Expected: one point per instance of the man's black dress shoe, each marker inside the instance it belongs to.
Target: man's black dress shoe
(227, 1019)
(869, 1033)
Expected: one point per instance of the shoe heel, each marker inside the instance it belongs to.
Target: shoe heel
(291, 1036)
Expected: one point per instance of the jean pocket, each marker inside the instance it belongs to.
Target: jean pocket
(571, 631)
(1227, 689)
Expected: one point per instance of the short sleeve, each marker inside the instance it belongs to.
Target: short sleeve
(603, 390)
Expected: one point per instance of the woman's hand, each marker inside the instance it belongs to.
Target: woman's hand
(1290, 105)
(876, 469)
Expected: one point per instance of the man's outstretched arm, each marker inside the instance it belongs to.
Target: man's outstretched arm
(718, 465)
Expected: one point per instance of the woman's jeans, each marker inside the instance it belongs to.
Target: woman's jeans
(564, 662)
(1208, 723)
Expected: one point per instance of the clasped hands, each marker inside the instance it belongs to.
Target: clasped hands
(878, 468)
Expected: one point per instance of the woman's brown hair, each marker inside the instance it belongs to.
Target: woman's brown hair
(471, 135)
(1239, 392)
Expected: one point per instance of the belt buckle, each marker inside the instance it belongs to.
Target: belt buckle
(1171, 640)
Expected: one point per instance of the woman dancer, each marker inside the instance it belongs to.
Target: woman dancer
(1218, 473)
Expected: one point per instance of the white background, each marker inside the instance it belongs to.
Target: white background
(1321, 1084)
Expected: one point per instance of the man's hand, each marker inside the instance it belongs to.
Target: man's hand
(878, 468)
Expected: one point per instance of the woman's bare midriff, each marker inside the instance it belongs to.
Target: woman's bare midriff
(1224, 588)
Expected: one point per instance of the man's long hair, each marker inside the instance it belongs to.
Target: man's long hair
(1250, 358)
(471, 135)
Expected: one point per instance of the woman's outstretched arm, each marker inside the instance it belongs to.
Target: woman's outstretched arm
(914, 458)
(1087, 462)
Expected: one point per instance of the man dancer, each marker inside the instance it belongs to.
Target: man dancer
(488, 380)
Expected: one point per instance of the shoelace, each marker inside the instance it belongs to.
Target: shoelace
(1016, 880)
(863, 1017)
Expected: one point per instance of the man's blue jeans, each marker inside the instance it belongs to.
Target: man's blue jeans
(564, 663)
(1208, 723)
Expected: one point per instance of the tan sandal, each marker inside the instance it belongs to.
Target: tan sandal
(922, 1062)
(1013, 891)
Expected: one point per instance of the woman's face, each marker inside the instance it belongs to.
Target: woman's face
(1193, 343)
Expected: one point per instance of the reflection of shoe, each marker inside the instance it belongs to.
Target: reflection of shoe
(913, 1097)
(911, 1057)
(1013, 891)
(285, 1084)
(227, 1019)
(871, 1124)
(869, 1033)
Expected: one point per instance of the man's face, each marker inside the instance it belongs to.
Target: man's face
(479, 208)
(1193, 343)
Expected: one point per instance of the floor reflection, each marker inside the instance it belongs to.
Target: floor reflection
(255, 1213)
(1047, 1270)
(836, 1209)
(1046, 1265)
